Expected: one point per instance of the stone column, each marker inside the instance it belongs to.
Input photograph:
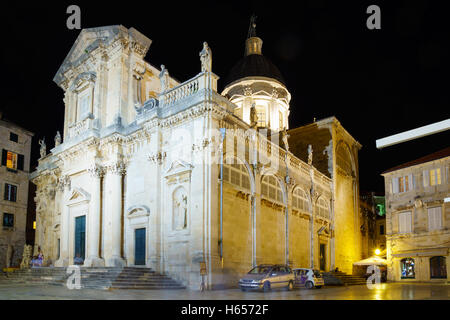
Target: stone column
(93, 237)
(63, 261)
(114, 199)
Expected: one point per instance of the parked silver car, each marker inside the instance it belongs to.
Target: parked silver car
(268, 276)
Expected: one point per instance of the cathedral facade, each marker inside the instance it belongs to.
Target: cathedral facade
(178, 177)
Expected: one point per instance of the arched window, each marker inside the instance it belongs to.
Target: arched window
(271, 189)
(236, 174)
(438, 268)
(407, 268)
(261, 113)
(300, 200)
(322, 209)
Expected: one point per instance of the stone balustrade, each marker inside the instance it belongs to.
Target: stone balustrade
(204, 80)
(80, 127)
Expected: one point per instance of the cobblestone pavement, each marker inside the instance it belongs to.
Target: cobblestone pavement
(388, 291)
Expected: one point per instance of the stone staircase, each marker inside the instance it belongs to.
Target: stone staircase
(93, 278)
(342, 279)
(143, 278)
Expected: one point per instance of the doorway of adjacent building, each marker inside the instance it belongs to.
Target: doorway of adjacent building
(139, 247)
(322, 256)
(80, 237)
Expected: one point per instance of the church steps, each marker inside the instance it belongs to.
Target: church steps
(341, 278)
(94, 278)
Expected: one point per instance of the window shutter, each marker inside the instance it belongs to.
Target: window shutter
(426, 178)
(438, 217)
(5, 194)
(20, 162)
(4, 156)
(410, 182)
(401, 223)
(395, 185)
(409, 222)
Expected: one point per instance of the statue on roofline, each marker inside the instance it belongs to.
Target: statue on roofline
(206, 58)
(253, 116)
(164, 78)
(310, 154)
(43, 149)
(57, 139)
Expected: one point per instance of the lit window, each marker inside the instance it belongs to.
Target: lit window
(407, 268)
(403, 184)
(261, 113)
(435, 177)
(11, 160)
(8, 220)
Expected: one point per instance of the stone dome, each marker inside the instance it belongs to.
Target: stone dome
(254, 65)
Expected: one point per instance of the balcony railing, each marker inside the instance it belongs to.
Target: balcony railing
(204, 80)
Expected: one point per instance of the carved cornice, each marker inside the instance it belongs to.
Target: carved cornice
(157, 157)
(202, 145)
(117, 168)
(64, 182)
(96, 171)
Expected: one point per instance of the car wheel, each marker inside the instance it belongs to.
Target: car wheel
(266, 287)
(309, 285)
(290, 286)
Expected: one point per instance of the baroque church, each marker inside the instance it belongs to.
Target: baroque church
(178, 176)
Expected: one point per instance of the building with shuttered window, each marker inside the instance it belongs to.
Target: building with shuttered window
(15, 145)
(418, 219)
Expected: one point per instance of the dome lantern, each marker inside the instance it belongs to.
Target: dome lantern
(256, 80)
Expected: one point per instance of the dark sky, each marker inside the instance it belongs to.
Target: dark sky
(376, 82)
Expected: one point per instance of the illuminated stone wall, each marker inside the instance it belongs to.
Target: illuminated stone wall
(12, 239)
(420, 242)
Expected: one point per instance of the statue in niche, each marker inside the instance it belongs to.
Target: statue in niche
(164, 78)
(206, 58)
(43, 149)
(179, 210)
(285, 137)
(253, 116)
(310, 154)
(57, 139)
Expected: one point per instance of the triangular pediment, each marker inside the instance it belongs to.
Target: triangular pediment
(78, 195)
(178, 166)
(91, 38)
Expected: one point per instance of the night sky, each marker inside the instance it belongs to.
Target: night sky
(376, 82)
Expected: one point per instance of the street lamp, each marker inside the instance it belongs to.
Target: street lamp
(377, 252)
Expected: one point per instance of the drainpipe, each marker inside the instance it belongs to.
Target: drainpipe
(222, 133)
